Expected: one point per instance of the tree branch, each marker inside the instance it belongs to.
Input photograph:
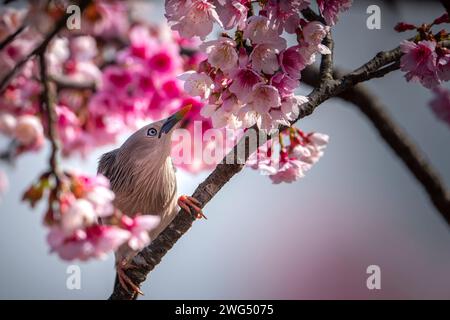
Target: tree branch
(40, 48)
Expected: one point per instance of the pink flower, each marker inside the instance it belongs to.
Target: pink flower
(101, 197)
(290, 170)
(197, 84)
(196, 20)
(443, 64)
(330, 9)
(315, 143)
(243, 82)
(290, 106)
(232, 13)
(142, 44)
(175, 9)
(223, 115)
(293, 160)
(264, 97)
(285, 13)
(221, 53)
(29, 132)
(83, 48)
(261, 30)
(264, 58)
(139, 228)
(314, 32)
(419, 62)
(7, 123)
(116, 78)
(292, 62)
(441, 104)
(107, 19)
(262, 161)
(93, 242)
(79, 214)
(162, 62)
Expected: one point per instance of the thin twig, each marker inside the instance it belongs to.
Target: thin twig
(148, 258)
(446, 4)
(397, 140)
(12, 36)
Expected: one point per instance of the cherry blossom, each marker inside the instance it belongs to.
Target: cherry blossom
(232, 13)
(264, 58)
(419, 62)
(93, 242)
(292, 62)
(285, 14)
(197, 84)
(261, 30)
(243, 82)
(7, 123)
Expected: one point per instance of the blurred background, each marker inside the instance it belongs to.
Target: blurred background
(312, 239)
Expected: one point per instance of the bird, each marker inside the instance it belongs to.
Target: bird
(142, 176)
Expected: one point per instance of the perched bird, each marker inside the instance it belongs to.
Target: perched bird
(143, 178)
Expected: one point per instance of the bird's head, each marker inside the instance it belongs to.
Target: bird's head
(154, 139)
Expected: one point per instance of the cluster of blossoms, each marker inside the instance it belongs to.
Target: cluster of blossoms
(297, 153)
(75, 210)
(427, 61)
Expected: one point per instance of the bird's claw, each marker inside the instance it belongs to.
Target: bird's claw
(125, 281)
(187, 202)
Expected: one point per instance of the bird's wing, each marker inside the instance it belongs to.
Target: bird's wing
(106, 163)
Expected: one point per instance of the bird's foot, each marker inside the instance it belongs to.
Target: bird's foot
(187, 203)
(125, 281)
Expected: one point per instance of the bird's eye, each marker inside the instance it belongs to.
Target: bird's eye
(152, 132)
